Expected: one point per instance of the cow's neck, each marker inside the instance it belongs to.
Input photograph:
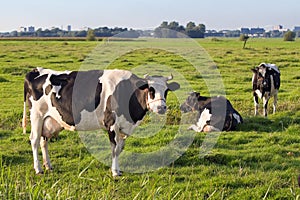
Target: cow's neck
(202, 101)
(139, 105)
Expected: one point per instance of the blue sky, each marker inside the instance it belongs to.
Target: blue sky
(147, 14)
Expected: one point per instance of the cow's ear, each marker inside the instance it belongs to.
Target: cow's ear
(142, 85)
(254, 70)
(195, 94)
(173, 86)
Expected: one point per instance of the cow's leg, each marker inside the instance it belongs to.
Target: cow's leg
(35, 136)
(255, 98)
(275, 103)
(195, 128)
(46, 158)
(117, 144)
(265, 105)
(210, 128)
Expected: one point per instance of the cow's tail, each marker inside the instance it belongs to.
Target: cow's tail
(24, 120)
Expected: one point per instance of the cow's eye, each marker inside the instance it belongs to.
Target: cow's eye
(152, 92)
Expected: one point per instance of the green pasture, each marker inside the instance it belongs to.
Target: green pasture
(261, 160)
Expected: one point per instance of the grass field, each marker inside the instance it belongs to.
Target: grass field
(259, 161)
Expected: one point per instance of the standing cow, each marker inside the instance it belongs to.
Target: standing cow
(266, 83)
(215, 113)
(116, 100)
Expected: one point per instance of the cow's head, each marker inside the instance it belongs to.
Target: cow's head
(191, 103)
(158, 88)
(259, 76)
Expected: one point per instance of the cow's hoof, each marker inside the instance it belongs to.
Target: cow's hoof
(116, 174)
(40, 173)
(49, 169)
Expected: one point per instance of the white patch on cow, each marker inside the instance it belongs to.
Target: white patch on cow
(204, 117)
(88, 121)
(273, 66)
(110, 79)
(259, 94)
(56, 90)
(43, 71)
(237, 117)
(40, 105)
(24, 118)
(195, 128)
(122, 126)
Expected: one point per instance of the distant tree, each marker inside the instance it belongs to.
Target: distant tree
(190, 25)
(289, 36)
(39, 32)
(173, 25)
(164, 24)
(128, 34)
(244, 37)
(82, 33)
(194, 31)
(14, 34)
(202, 28)
(90, 35)
(173, 30)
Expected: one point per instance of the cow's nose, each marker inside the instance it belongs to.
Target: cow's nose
(161, 109)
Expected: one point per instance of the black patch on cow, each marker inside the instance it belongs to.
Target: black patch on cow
(109, 116)
(152, 92)
(129, 100)
(194, 102)
(79, 91)
(33, 85)
(112, 136)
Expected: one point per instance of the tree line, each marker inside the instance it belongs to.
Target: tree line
(165, 30)
(174, 30)
(57, 32)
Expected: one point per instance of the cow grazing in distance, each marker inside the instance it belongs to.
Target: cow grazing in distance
(215, 113)
(265, 83)
(115, 100)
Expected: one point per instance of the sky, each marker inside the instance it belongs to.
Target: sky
(148, 14)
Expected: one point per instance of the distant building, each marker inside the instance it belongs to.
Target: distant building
(297, 29)
(31, 29)
(253, 32)
(277, 27)
(245, 31)
(257, 31)
(213, 33)
(69, 28)
(23, 29)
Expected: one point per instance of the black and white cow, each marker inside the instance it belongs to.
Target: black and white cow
(266, 83)
(116, 100)
(214, 113)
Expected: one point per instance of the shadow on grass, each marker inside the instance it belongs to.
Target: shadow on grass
(8, 160)
(273, 124)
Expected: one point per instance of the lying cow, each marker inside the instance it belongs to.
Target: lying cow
(115, 100)
(266, 83)
(215, 113)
